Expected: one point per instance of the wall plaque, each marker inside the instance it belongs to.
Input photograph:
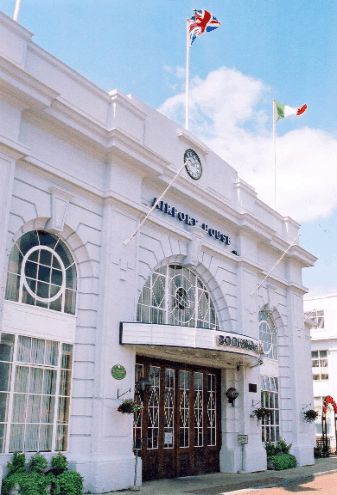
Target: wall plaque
(118, 372)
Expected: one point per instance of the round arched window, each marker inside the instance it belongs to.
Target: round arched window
(268, 335)
(175, 295)
(42, 272)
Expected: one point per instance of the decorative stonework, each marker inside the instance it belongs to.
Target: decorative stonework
(60, 200)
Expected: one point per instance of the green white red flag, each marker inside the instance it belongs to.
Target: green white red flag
(282, 111)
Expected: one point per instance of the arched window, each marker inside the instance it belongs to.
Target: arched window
(268, 334)
(42, 272)
(175, 295)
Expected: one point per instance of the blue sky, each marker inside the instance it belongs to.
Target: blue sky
(265, 49)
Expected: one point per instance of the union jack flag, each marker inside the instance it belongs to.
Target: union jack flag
(200, 23)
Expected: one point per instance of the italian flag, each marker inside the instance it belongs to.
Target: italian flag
(282, 111)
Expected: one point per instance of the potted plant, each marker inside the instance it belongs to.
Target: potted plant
(310, 415)
(129, 406)
(260, 413)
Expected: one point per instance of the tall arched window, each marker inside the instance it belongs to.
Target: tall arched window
(175, 295)
(268, 334)
(42, 272)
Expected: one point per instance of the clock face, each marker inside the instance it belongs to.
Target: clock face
(192, 164)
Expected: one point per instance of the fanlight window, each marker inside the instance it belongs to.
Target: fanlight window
(175, 295)
(42, 272)
(268, 334)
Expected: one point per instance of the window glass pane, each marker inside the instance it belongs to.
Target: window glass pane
(63, 410)
(16, 439)
(64, 254)
(65, 383)
(45, 259)
(35, 380)
(2, 437)
(37, 352)
(57, 304)
(12, 288)
(27, 241)
(5, 374)
(42, 290)
(49, 382)
(71, 277)
(51, 355)
(19, 408)
(15, 261)
(3, 407)
(69, 306)
(24, 349)
(46, 435)
(6, 347)
(61, 438)
(67, 351)
(47, 239)
(31, 443)
(31, 269)
(47, 409)
(21, 379)
(33, 408)
(56, 278)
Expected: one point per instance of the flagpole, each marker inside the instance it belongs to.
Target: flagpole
(187, 78)
(274, 151)
(126, 242)
(16, 10)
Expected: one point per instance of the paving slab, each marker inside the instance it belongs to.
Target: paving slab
(233, 483)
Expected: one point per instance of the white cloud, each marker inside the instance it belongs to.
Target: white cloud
(231, 112)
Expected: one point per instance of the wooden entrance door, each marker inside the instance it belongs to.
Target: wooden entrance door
(179, 427)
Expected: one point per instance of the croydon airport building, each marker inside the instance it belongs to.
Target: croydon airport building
(157, 347)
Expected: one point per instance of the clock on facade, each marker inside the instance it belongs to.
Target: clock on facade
(192, 164)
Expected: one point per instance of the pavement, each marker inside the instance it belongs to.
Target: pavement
(238, 483)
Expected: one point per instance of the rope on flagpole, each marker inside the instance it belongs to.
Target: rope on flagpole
(187, 78)
(274, 150)
(295, 241)
(16, 10)
(126, 242)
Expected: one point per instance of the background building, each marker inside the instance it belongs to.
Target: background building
(321, 313)
(183, 305)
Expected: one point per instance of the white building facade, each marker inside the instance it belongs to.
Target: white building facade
(321, 313)
(184, 305)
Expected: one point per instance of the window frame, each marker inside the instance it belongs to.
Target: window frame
(55, 413)
(270, 393)
(266, 320)
(18, 288)
(176, 304)
(322, 365)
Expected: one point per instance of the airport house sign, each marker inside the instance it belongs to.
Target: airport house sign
(189, 220)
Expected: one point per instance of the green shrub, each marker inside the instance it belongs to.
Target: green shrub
(29, 483)
(283, 447)
(35, 479)
(59, 462)
(69, 483)
(18, 463)
(280, 447)
(283, 461)
(38, 464)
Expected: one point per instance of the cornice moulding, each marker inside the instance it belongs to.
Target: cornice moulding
(24, 86)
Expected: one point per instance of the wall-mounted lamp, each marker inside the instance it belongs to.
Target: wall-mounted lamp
(231, 395)
(143, 385)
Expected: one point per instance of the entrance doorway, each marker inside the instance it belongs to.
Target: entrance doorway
(178, 429)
